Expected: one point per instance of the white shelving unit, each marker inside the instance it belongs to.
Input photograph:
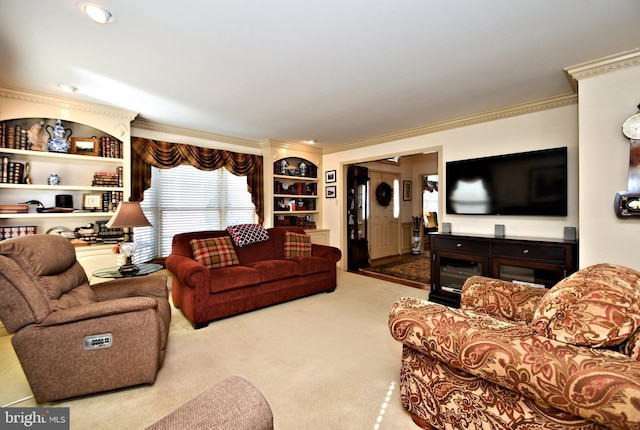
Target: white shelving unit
(76, 172)
(294, 154)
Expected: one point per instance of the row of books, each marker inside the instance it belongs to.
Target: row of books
(110, 200)
(108, 179)
(108, 235)
(110, 147)
(11, 172)
(16, 231)
(13, 137)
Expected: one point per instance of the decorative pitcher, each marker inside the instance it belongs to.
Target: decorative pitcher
(59, 142)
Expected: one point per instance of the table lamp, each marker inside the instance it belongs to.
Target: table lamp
(127, 216)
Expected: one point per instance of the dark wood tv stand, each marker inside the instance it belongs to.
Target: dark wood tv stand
(456, 257)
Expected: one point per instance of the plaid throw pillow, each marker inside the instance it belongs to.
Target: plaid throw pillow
(246, 234)
(297, 244)
(214, 252)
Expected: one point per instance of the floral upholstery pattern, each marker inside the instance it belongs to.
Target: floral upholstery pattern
(472, 368)
(504, 300)
(596, 306)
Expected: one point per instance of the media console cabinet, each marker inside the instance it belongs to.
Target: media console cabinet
(456, 257)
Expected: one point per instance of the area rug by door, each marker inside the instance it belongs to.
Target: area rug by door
(415, 268)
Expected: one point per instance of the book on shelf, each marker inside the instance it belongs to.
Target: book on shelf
(11, 172)
(110, 200)
(110, 147)
(13, 137)
(4, 173)
(108, 235)
(107, 179)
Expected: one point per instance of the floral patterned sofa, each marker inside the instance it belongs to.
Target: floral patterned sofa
(521, 357)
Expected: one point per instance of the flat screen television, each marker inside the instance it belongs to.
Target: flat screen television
(526, 183)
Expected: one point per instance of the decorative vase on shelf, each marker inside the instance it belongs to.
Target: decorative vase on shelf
(58, 138)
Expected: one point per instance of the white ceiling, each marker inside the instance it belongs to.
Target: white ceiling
(339, 71)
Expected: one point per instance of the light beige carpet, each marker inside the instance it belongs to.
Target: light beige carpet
(323, 362)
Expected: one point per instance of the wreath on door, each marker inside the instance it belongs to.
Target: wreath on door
(384, 194)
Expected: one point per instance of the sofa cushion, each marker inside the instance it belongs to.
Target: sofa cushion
(596, 306)
(233, 277)
(214, 252)
(246, 234)
(297, 245)
(308, 265)
(275, 270)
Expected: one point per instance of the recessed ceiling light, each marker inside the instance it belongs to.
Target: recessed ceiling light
(96, 13)
(311, 141)
(67, 88)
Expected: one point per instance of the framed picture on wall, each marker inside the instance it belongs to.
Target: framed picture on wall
(330, 192)
(407, 190)
(330, 176)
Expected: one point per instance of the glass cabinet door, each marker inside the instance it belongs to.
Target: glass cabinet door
(451, 273)
(357, 200)
(530, 273)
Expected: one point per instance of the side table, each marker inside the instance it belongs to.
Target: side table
(112, 272)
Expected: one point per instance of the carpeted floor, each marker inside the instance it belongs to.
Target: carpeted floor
(323, 362)
(414, 268)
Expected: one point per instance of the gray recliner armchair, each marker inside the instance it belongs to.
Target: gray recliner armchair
(72, 338)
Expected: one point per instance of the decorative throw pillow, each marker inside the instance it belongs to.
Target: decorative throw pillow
(596, 306)
(214, 252)
(246, 234)
(297, 244)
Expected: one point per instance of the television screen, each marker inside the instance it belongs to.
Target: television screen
(526, 183)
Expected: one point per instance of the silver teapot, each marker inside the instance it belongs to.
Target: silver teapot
(59, 141)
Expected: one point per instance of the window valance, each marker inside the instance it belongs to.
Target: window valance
(165, 155)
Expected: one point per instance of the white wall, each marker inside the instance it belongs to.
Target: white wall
(539, 130)
(605, 102)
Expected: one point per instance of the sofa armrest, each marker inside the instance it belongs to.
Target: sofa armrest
(331, 253)
(99, 309)
(600, 385)
(139, 286)
(187, 271)
(505, 300)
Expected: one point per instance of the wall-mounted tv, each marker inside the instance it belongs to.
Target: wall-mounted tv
(526, 183)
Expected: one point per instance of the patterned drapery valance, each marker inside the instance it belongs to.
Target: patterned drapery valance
(165, 155)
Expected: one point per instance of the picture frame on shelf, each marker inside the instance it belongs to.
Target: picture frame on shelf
(330, 176)
(407, 190)
(330, 192)
(85, 146)
(92, 201)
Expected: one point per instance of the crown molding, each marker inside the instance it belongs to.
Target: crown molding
(601, 66)
(65, 103)
(304, 147)
(162, 128)
(508, 112)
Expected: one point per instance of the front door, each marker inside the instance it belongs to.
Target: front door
(385, 228)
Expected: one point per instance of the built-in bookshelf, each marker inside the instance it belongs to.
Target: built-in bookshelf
(295, 193)
(49, 190)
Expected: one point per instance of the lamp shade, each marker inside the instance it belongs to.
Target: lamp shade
(128, 214)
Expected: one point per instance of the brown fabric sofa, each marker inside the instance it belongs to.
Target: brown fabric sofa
(47, 302)
(520, 357)
(262, 277)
